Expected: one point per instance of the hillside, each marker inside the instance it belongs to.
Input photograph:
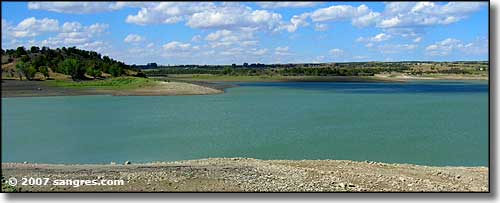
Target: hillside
(60, 63)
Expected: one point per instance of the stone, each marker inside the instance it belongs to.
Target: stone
(127, 163)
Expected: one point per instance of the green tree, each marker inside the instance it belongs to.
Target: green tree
(25, 69)
(227, 71)
(73, 68)
(44, 70)
(94, 72)
(21, 68)
(30, 73)
(20, 51)
(115, 70)
(25, 58)
(34, 49)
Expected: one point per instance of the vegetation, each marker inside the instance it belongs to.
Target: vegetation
(70, 61)
(326, 69)
(109, 83)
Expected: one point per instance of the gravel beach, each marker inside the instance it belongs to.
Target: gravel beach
(253, 175)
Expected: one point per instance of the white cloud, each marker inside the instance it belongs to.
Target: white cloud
(234, 17)
(417, 40)
(32, 27)
(336, 52)
(360, 16)
(229, 16)
(196, 38)
(296, 22)
(73, 7)
(75, 34)
(166, 12)
(177, 46)
(377, 38)
(450, 45)
(405, 14)
(131, 38)
(289, 4)
(226, 38)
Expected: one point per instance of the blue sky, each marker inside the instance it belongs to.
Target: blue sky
(253, 32)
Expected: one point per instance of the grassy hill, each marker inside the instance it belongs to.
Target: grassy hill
(61, 63)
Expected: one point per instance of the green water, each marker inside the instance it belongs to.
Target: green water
(427, 123)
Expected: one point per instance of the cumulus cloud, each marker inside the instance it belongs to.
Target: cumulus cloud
(450, 45)
(133, 38)
(73, 7)
(289, 4)
(410, 14)
(360, 16)
(78, 35)
(226, 38)
(32, 27)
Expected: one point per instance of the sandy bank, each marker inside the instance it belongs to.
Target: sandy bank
(244, 174)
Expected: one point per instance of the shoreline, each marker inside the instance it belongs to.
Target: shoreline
(16, 88)
(254, 175)
(177, 86)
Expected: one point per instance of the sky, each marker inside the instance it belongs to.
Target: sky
(171, 33)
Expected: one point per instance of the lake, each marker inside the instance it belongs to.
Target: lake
(428, 123)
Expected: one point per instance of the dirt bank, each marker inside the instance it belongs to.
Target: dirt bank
(249, 175)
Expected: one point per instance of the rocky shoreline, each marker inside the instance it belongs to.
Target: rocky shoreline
(253, 175)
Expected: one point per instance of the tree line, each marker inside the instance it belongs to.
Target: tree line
(66, 60)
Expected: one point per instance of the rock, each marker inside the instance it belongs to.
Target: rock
(25, 162)
(127, 163)
(113, 163)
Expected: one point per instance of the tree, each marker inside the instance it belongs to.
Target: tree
(94, 72)
(21, 68)
(227, 71)
(34, 49)
(45, 71)
(25, 58)
(25, 69)
(39, 61)
(115, 70)
(30, 73)
(20, 51)
(73, 68)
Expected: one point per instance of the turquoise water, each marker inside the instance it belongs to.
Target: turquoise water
(430, 123)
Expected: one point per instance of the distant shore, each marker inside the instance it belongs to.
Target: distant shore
(253, 175)
(188, 84)
(267, 78)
